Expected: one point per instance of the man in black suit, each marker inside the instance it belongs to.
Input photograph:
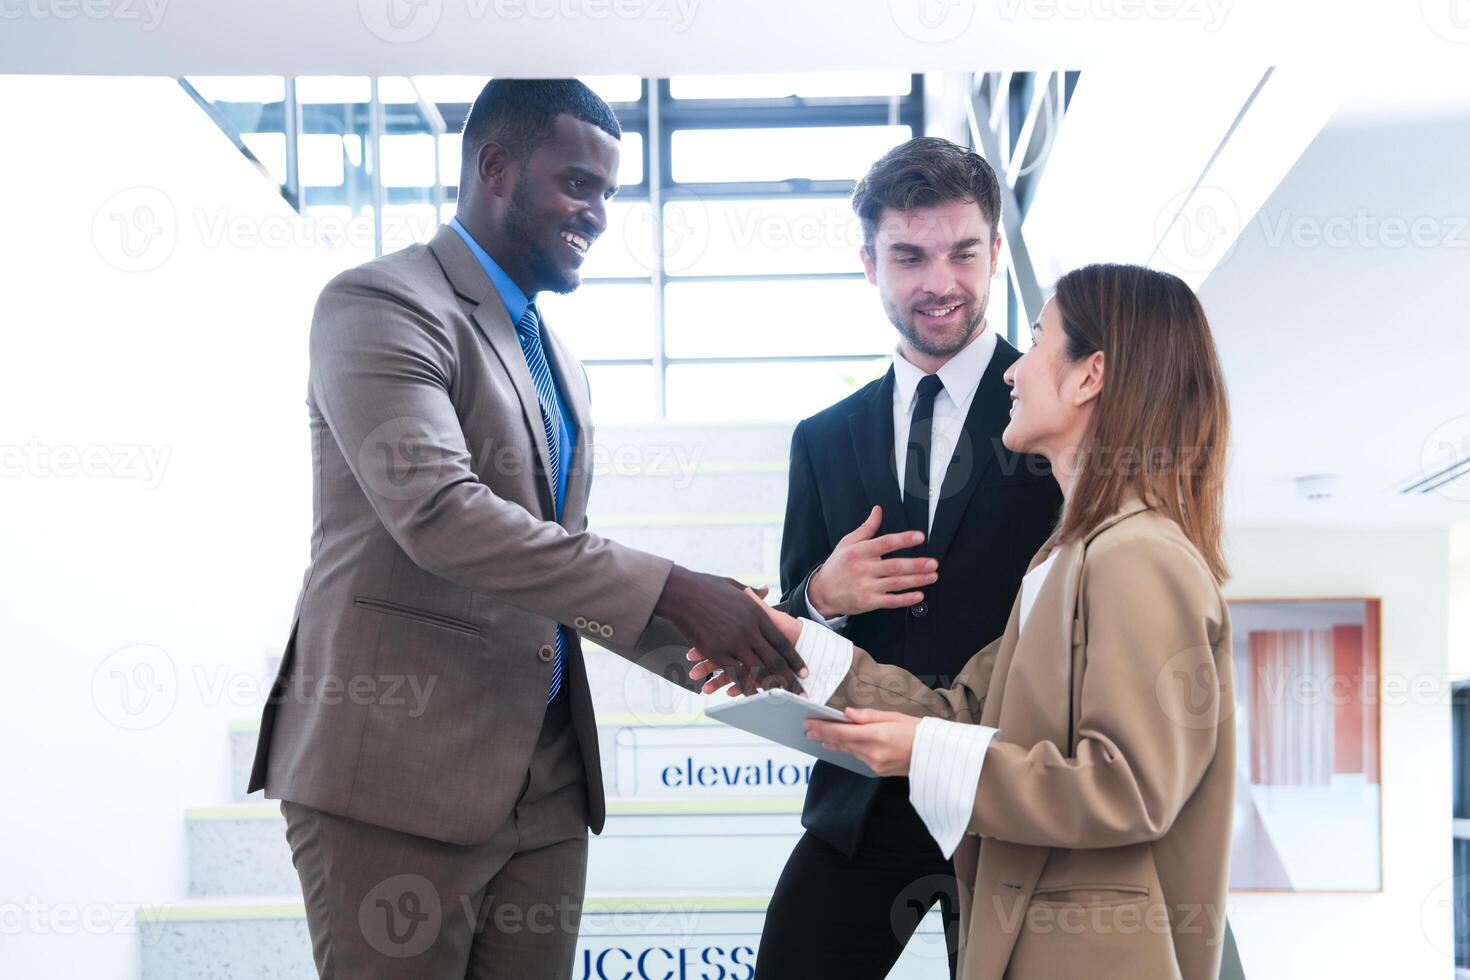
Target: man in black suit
(908, 527)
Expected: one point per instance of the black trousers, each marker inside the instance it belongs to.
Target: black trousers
(850, 917)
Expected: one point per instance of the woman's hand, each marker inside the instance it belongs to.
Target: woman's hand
(882, 739)
(789, 626)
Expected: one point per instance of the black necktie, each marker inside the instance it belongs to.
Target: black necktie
(916, 465)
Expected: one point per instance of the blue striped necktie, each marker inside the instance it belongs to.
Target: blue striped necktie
(528, 331)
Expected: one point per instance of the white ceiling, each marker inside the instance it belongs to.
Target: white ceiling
(1346, 341)
(662, 37)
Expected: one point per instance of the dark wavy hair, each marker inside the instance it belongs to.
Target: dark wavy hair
(924, 172)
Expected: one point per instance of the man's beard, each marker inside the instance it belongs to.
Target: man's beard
(948, 345)
(521, 225)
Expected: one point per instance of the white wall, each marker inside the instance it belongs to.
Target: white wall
(1460, 600)
(1405, 930)
(175, 379)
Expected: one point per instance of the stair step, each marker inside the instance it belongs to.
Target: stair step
(703, 541)
(240, 849)
(671, 443)
(705, 488)
(622, 937)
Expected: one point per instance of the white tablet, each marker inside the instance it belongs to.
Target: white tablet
(778, 716)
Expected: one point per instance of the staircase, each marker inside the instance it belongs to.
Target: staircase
(678, 785)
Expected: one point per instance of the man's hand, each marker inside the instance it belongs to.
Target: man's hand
(704, 667)
(858, 579)
(882, 739)
(731, 631)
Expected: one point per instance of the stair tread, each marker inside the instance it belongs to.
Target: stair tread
(648, 806)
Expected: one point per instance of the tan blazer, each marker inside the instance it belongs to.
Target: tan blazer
(1099, 842)
(413, 687)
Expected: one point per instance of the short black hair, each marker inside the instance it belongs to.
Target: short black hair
(520, 114)
(924, 172)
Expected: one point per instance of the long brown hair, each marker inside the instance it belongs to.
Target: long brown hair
(1161, 428)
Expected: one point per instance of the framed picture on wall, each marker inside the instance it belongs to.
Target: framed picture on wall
(1308, 795)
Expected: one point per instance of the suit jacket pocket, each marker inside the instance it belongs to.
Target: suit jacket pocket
(389, 608)
(1092, 896)
(1094, 929)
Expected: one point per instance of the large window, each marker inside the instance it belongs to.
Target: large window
(728, 283)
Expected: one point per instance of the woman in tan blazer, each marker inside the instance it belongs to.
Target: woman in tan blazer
(1081, 769)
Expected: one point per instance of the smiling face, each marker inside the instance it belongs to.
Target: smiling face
(932, 266)
(556, 203)
(1052, 398)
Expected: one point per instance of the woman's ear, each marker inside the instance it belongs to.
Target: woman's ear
(1092, 380)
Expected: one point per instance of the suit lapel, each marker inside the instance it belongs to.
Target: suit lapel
(872, 441)
(1043, 656)
(470, 281)
(974, 450)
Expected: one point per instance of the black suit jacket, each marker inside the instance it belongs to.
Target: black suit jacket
(995, 510)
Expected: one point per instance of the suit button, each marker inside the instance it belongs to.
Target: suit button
(919, 610)
(546, 653)
(606, 630)
(594, 626)
(580, 622)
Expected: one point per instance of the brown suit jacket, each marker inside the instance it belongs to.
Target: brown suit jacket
(414, 684)
(1099, 842)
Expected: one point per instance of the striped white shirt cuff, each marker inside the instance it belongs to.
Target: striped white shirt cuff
(828, 657)
(943, 773)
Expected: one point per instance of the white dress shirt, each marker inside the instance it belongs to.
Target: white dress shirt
(947, 756)
(960, 377)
